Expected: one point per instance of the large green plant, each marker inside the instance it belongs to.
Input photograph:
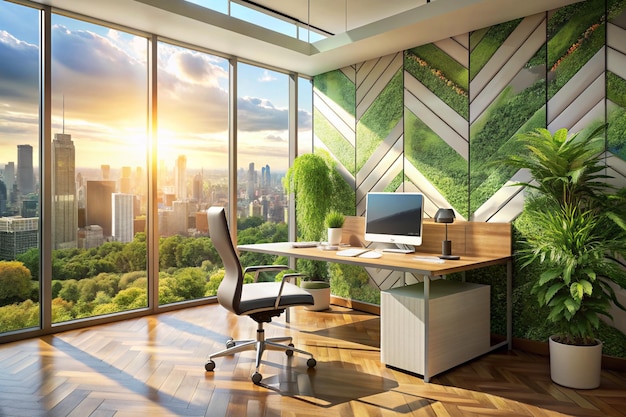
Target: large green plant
(317, 190)
(579, 229)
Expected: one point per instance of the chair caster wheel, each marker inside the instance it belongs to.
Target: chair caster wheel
(230, 343)
(209, 366)
(256, 378)
(289, 352)
(311, 362)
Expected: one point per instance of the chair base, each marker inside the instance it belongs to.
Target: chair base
(260, 345)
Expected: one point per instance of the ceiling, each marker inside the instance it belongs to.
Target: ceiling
(338, 16)
(375, 28)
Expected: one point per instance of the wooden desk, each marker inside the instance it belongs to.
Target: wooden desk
(472, 241)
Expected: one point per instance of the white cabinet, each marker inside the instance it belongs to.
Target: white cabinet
(428, 339)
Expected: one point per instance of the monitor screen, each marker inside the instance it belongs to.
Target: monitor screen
(394, 218)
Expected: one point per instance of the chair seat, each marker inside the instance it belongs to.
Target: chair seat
(262, 296)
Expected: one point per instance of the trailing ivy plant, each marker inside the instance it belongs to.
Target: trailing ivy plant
(317, 189)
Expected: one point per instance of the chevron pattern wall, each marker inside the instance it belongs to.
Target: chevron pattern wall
(431, 118)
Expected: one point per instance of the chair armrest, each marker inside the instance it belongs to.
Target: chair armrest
(257, 269)
(286, 277)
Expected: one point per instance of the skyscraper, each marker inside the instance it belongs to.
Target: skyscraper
(125, 180)
(64, 203)
(9, 177)
(180, 178)
(122, 221)
(267, 180)
(98, 210)
(17, 235)
(196, 189)
(105, 169)
(25, 174)
(251, 182)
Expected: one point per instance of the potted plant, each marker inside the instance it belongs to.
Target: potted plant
(334, 225)
(579, 223)
(315, 187)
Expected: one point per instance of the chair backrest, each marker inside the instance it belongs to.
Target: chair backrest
(229, 291)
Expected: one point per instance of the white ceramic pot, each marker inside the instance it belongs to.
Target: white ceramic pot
(320, 292)
(334, 235)
(575, 366)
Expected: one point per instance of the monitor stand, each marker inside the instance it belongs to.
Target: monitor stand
(400, 248)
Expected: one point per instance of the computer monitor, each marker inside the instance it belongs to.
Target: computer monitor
(394, 218)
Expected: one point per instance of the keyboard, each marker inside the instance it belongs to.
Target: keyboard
(431, 259)
(352, 252)
(398, 250)
(304, 244)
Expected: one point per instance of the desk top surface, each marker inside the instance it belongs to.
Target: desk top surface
(395, 261)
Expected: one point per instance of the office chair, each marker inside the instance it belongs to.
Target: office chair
(259, 300)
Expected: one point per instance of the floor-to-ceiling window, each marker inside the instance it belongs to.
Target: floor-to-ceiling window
(99, 175)
(192, 153)
(19, 167)
(305, 118)
(99, 169)
(262, 155)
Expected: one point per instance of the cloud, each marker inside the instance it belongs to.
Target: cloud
(19, 70)
(256, 114)
(266, 77)
(274, 138)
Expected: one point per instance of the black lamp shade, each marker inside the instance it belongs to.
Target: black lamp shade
(444, 216)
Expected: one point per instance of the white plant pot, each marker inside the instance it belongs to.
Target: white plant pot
(334, 235)
(575, 366)
(321, 296)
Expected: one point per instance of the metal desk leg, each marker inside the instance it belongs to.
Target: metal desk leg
(509, 304)
(426, 325)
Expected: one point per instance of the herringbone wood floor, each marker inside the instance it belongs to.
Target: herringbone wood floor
(154, 366)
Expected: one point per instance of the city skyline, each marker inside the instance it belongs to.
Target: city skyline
(106, 117)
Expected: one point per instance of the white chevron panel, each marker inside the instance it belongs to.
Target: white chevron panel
(349, 72)
(596, 114)
(616, 169)
(365, 69)
(447, 123)
(341, 120)
(531, 29)
(452, 138)
(616, 38)
(507, 202)
(510, 211)
(589, 73)
(463, 40)
(385, 278)
(433, 199)
(506, 73)
(455, 50)
(390, 145)
(377, 181)
(585, 104)
(616, 62)
(369, 89)
(370, 71)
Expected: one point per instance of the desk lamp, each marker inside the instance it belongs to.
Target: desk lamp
(446, 216)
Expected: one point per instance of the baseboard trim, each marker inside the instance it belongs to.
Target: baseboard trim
(355, 305)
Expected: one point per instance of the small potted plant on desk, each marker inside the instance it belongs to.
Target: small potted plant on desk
(334, 224)
(579, 237)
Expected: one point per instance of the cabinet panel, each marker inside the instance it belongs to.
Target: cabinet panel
(458, 325)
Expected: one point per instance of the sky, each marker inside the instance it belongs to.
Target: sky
(99, 83)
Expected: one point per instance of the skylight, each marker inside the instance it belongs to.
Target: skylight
(264, 17)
